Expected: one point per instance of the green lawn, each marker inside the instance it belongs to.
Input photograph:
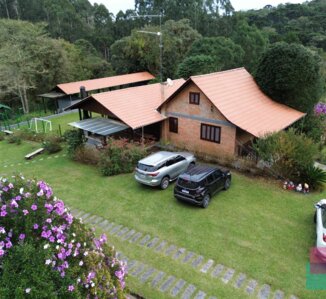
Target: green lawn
(255, 227)
(63, 121)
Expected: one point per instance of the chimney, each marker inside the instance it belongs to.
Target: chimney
(83, 93)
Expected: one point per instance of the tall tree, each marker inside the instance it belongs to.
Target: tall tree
(140, 51)
(218, 53)
(252, 40)
(21, 46)
(290, 74)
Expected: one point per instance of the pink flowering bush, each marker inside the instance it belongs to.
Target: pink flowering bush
(46, 253)
(320, 109)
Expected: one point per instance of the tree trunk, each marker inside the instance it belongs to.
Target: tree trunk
(25, 99)
(6, 6)
(20, 93)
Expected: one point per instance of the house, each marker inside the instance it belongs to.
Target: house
(222, 113)
(66, 94)
(218, 113)
(131, 109)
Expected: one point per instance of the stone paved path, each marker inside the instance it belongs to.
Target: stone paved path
(176, 286)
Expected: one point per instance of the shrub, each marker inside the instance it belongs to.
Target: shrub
(120, 156)
(27, 134)
(287, 152)
(74, 139)
(2, 136)
(314, 176)
(14, 139)
(322, 156)
(52, 144)
(44, 251)
(87, 155)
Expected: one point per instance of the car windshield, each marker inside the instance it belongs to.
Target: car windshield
(187, 183)
(323, 216)
(145, 167)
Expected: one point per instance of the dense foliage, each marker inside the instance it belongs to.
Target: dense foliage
(290, 74)
(291, 156)
(79, 40)
(211, 54)
(120, 156)
(74, 139)
(140, 51)
(46, 253)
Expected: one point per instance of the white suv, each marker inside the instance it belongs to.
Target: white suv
(320, 220)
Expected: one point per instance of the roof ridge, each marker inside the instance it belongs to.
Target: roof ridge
(94, 79)
(226, 71)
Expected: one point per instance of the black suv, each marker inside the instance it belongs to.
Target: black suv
(199, 183)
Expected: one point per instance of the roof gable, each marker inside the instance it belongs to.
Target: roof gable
(135, 106)
(237, 96)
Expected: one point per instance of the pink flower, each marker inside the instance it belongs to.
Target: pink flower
(3, 213)
(2, 252)
(21, 236)
(34, 207)
(25, 212)
(71, 288)
(35, 226)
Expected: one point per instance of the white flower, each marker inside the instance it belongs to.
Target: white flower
(57, 247)
(92, 284)
(85, 244)
(48, 262)
(73, 241)
(28, 290)
(73, 234)
(86, 253)
(78, 280)
(46, 246)
(86, 286)
(81, 263)
(53, 263)
(21, 191)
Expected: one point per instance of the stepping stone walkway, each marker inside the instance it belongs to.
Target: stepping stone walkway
(228, 275)
(200, 295)
(168, 283)
(240, 280)
(218, 270)
(188, 292)
(177, 288)
(264, 292)
(251, 287)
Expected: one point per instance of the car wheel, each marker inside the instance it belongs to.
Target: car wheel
(206, 201)
(165, 183)
(227, 184)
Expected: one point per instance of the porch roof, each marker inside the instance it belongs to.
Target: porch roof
(100, 126)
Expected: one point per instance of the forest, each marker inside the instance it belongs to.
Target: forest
(44, 43)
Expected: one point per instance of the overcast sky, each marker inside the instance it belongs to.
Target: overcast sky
(115, 5)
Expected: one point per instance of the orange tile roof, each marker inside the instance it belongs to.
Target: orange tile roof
(135, 106)
(237, 96)
(101, 83)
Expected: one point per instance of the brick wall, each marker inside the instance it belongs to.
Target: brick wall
(190, 117)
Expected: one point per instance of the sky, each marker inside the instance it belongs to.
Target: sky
(115, 5)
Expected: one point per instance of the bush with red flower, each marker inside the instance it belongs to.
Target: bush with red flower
(46, 253)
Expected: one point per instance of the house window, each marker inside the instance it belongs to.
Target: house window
(173, 124)
(210, 133)
(194, 98)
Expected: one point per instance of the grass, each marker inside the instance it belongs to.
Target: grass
(255, 227)
(64, 120)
